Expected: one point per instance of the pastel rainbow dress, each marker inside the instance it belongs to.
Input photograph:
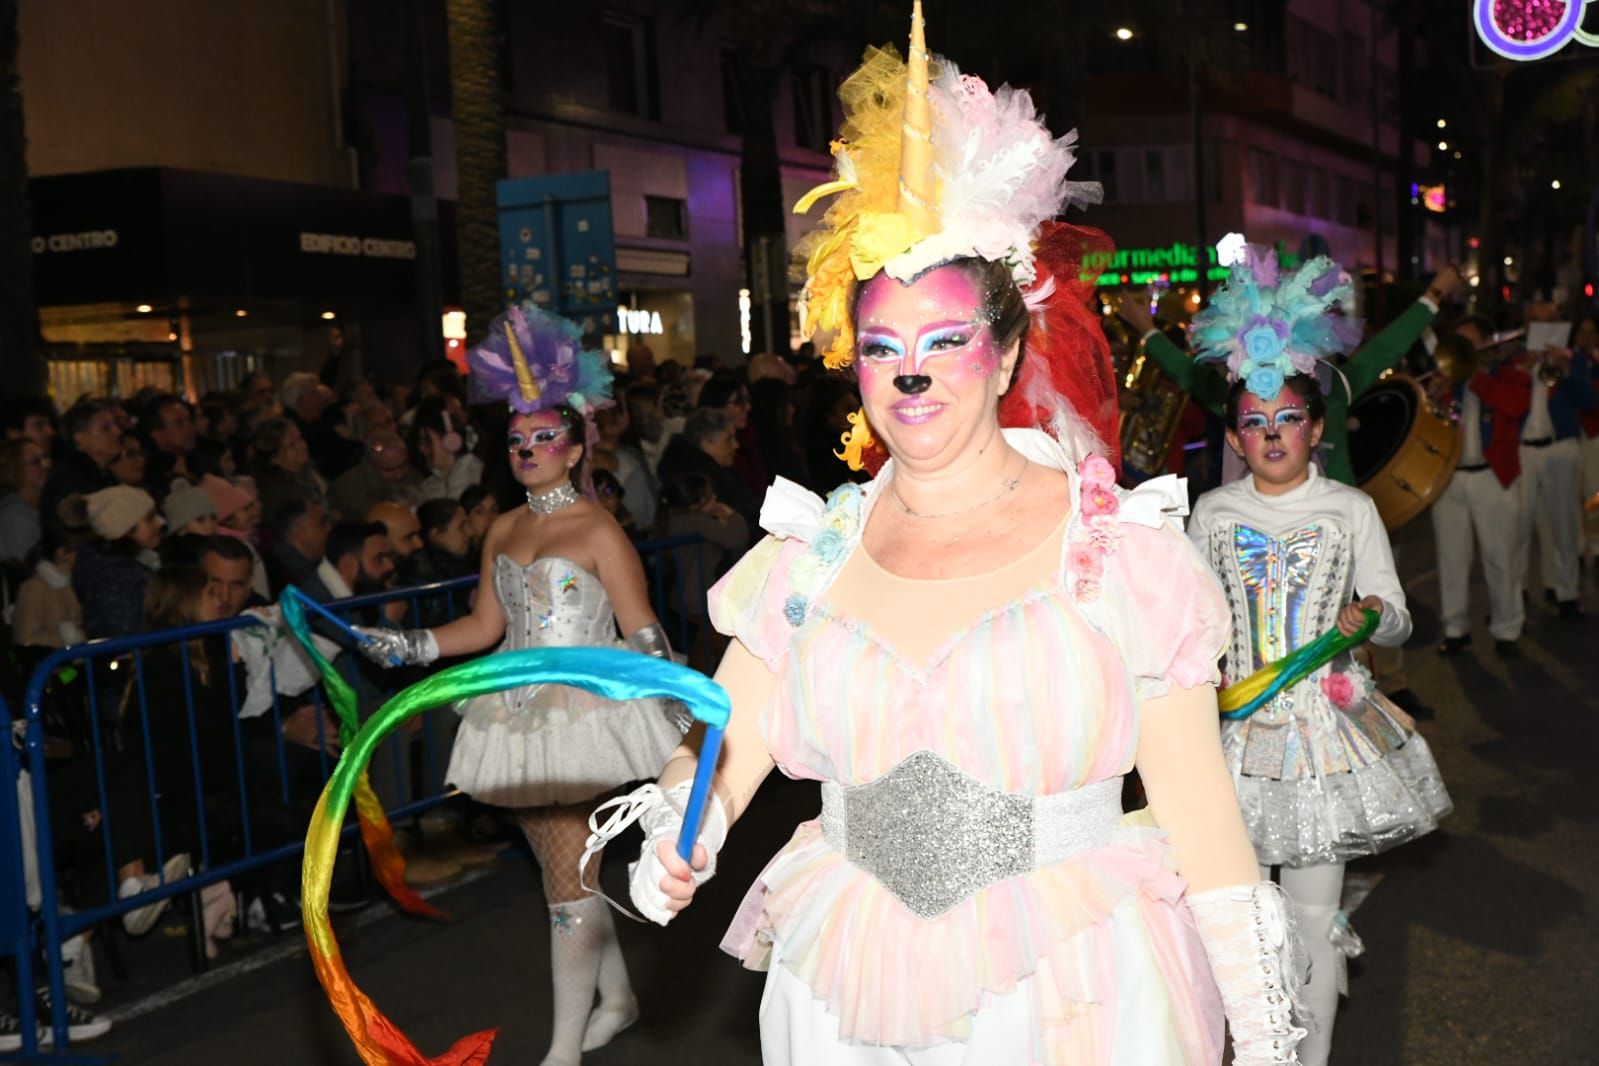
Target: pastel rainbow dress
(1039, 697)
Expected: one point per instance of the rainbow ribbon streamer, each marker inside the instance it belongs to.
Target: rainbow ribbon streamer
(608, 672)
(1243, 698)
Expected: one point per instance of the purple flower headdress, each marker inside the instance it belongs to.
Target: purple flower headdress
(1268, 325)
(534, 360)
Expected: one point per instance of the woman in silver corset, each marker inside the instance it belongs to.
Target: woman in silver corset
(562, 573)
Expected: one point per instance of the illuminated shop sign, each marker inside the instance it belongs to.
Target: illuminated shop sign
(1176, 264)
(1525, 30)
(639, 322)
(349, 244)
(87, 241)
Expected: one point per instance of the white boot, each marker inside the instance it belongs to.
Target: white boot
(576, 943)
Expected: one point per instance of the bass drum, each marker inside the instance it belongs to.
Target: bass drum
(1403, 451)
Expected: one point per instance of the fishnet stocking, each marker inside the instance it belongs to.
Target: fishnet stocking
(557, 835)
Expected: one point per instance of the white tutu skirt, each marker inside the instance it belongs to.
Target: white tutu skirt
(556, 745)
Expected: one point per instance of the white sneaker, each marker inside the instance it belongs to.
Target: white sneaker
(142, 919)
(81, 1024)
(77, 963)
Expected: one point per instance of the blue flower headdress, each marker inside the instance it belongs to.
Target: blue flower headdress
(1268, 324)
(534, 360)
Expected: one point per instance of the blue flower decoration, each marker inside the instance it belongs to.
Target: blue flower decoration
(829, 546)
(1263, 344)
(847, 494)
(1265, 382)
(794, 610)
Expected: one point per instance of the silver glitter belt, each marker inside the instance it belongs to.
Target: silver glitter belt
(933, 836)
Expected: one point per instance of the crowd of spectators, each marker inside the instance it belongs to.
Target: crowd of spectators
(121, 516)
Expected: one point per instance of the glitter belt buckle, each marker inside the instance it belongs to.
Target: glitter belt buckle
(933, 835)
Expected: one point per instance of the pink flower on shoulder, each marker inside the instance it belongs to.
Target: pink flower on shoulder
(1340, 689)
(1104, 533)
(1084, 561)
(1100, 500)
(1096, 470)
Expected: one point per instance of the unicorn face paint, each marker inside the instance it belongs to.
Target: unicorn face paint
(930, 368)
(1276, 438)
(542, 453)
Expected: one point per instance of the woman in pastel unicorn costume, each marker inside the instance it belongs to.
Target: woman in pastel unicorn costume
(971, 651)
(1328, 770)
(562, 574)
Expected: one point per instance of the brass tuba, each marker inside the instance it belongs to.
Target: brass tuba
(1151, 403)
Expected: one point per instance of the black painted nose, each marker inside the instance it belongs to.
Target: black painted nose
(524, 454)
(912, 384)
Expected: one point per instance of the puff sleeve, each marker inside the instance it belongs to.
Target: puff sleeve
(749, 602)
(1165, 611)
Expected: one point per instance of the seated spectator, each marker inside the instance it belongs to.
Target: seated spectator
(113, 567)
(30, 418)
(169, 426)
(24, 469)
(299, 543)
(48, 614)
(405, 538)
(446, 553)
(238, 515)
(438, 448)
(217, 419)
(707, 446)
(384, 474)
(360, 560)
(281, 465)
(188, 509)
(93, 443)
(481, 510)
(310, 405)
(211, 459)
(131, 461)
(726, 393)
(608, 492)
(689, 507)
(228, 565)
(773, 433)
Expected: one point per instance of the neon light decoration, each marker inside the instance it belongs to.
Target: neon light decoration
(1525, 30)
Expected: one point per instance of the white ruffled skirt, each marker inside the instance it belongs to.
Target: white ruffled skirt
(556, 745)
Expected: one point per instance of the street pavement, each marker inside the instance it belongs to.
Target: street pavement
(1480, 939)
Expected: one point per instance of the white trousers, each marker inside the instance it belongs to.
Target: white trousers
(1551, 479)
(1475, 507)
(1590, 488)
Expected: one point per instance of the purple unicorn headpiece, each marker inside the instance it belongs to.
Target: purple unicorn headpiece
(535, 360)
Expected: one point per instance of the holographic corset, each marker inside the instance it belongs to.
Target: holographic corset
(1283, 591)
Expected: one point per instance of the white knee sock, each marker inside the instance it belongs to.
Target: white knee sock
(1316, 891)
(576, 941)
(618, 1007)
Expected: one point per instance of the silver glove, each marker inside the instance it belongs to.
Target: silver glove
(651, 641)
(397, 647)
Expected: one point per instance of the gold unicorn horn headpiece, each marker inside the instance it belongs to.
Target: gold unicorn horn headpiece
(524, 376)
(917, 195)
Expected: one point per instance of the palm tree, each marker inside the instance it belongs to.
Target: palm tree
(19, 321)
(477, 108)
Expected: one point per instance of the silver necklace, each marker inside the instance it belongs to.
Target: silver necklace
(553, 500)
(1007, 485)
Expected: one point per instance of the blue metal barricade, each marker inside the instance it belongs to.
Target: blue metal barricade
(105, 663)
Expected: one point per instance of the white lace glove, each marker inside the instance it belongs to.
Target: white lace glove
(660, 815)
(1255, 956)
(397, 647)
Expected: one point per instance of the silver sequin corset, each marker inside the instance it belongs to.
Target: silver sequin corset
(933, 836)
(552, 602)
(1283, 591)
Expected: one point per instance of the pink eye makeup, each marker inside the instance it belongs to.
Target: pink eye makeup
(518, 441)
